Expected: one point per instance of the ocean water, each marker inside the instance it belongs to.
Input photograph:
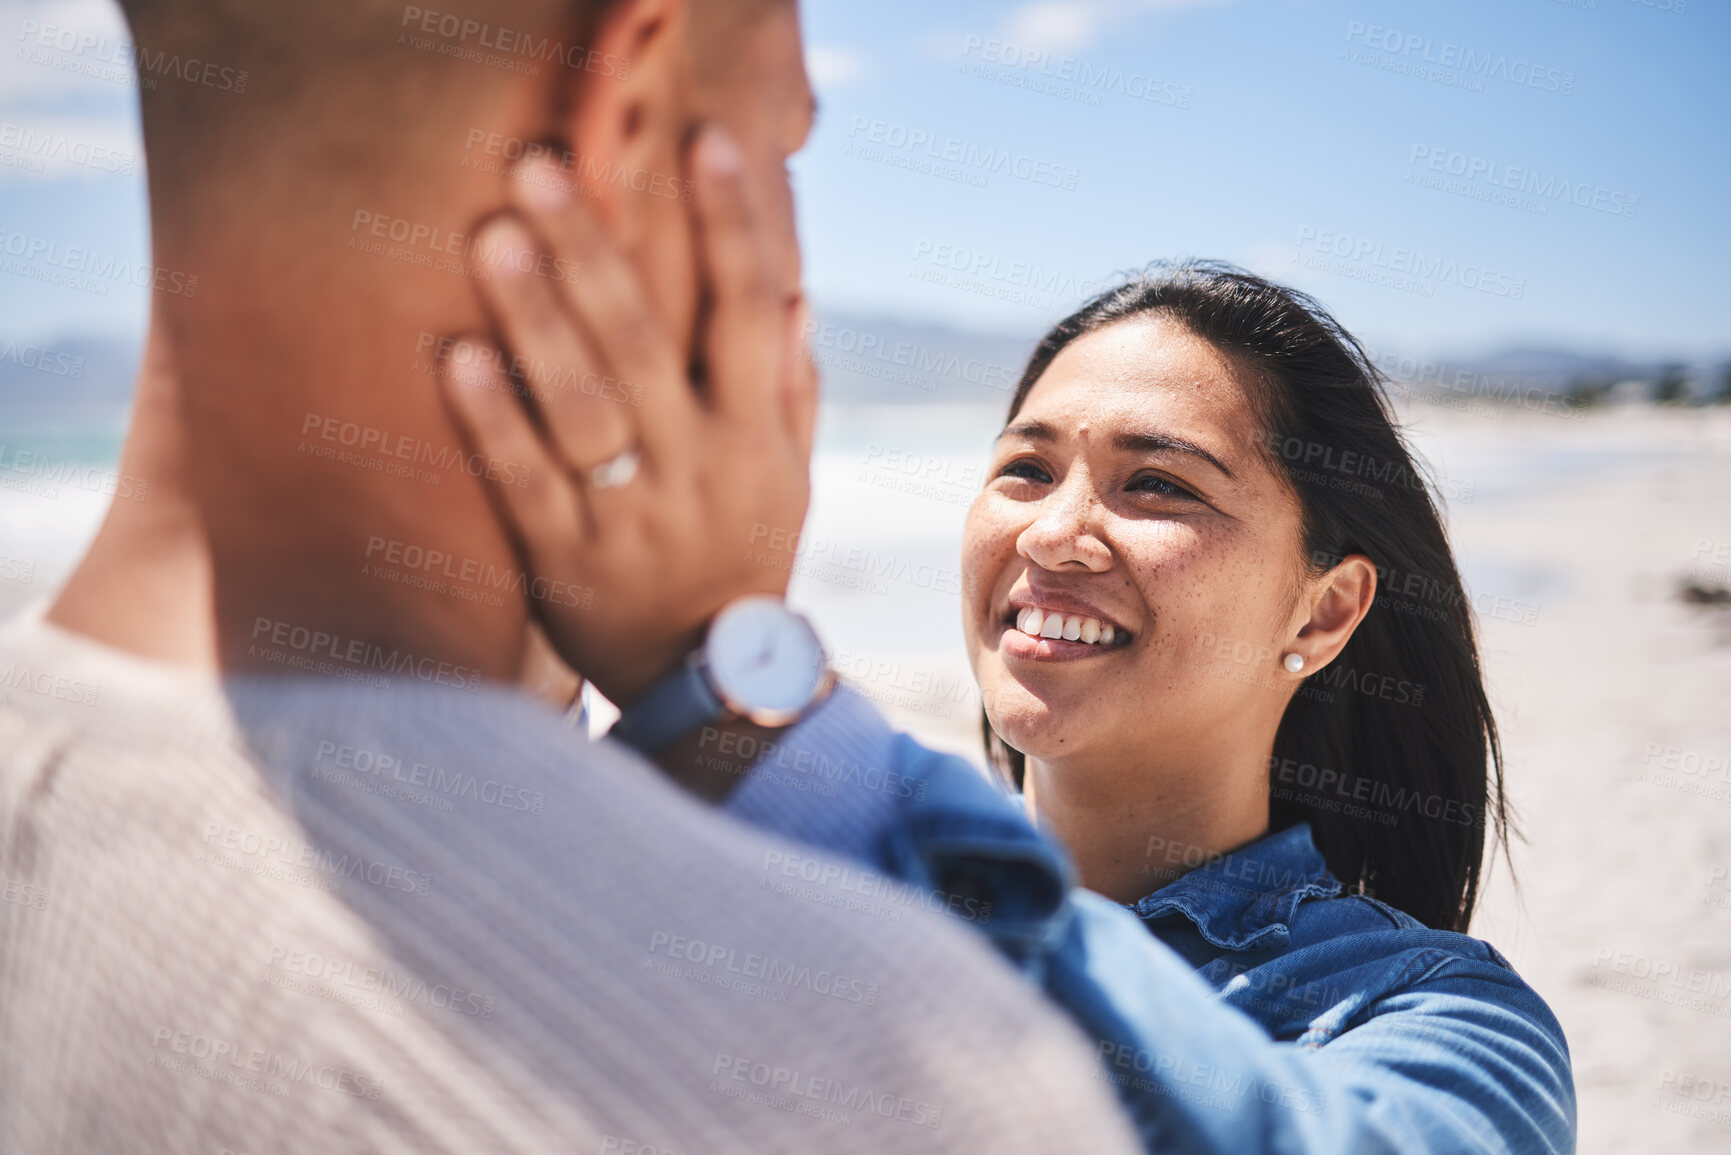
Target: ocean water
(877, 565)
(56, 481)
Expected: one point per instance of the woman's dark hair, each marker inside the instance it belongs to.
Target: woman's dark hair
(1399, 721)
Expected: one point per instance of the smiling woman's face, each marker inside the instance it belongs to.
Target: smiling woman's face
(1129, 490)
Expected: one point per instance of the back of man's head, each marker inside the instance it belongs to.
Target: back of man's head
(320, 94)
(320, 168)
(270, 100)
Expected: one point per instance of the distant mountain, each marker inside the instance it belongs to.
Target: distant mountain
(862, 359)
(66, 380)
(866, 359)
(1555, 379)
(1557, 364)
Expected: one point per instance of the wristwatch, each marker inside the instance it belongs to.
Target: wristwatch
(759, 661)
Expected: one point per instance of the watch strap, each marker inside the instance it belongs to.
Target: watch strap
(676, 705)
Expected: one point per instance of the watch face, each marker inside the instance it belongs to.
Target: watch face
(764, 659)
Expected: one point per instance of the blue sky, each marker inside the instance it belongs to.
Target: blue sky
(1449, 176)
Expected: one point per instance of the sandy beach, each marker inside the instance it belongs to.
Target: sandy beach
(1611, 691)
(1616, 713)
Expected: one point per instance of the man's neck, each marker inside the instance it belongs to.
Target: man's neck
(254, 542)
(144, 585)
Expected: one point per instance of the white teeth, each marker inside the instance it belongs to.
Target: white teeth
(1037, 623)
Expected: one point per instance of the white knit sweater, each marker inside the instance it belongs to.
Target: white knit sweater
(303, 915)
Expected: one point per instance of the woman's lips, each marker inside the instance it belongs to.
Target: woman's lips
(1013, 643)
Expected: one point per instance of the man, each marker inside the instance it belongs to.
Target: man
(286, 867)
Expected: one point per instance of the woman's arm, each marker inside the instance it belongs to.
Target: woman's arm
(1459, 1056)
(1463, 1057)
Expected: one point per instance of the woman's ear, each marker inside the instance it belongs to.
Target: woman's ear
(625, 112)
(1338, 601)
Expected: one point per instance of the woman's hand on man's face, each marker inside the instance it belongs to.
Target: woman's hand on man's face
(651, 498)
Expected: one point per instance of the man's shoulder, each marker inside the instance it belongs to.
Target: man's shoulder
(406, 862)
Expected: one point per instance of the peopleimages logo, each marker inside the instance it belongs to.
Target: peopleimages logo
(855, 350)
(43, 360)
(1437, 383)
(1481, 178)
(1409, 265)
(1069, 77)
(45, 148)
(365, 439)
(1020, 274)
(425, 244)
(258, 1068)
(85, 269)
(113, 59)
(894, 144)
(317, 650)
(797, 1092)
(449, 34)
(863, 560)
(1410, 51)
(28, 471)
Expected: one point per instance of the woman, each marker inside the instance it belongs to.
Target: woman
(1201, 461)
(1190, 670)
(1223, 650)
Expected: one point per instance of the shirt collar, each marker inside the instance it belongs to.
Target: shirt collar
(1247, 898)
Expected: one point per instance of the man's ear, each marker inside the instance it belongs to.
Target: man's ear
(627, 110)
(1338, 601)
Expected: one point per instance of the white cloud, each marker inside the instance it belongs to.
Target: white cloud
(1056, 25)
(1071, 26)
(830, 66)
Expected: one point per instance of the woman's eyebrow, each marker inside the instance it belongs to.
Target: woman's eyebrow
(1031, 430)
(1127, 442)
(1161, 443)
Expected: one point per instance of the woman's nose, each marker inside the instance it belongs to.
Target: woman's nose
(1064, 534)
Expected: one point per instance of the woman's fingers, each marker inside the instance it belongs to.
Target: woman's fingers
(718, 454)
(550, 352)
(744, 345)
(607, 297)
(799, 378)
(539, 502)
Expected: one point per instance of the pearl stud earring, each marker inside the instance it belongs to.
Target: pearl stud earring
(1294, 663)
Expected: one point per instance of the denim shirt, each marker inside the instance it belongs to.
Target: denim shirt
(1248, 1005)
